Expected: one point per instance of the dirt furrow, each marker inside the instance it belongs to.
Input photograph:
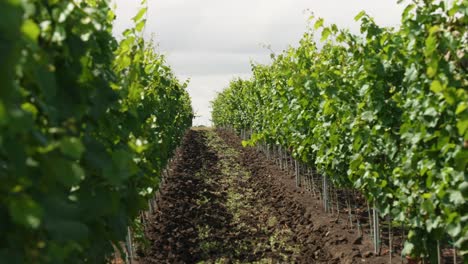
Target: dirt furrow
(226, 204)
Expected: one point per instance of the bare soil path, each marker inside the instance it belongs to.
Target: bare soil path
(223, 203)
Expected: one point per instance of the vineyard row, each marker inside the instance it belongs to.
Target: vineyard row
(384, 112)
(87, 124)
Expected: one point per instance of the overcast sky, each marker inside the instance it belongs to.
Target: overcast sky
(213, 41)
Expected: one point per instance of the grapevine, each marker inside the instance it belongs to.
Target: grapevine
(87, 123)
(384, 111)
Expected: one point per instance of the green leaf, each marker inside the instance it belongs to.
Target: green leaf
(360, 15)
(437, 87)
(319, 23)
(431, 45)
(450, 96)
(462, 126)
(122, 167)
(411, 73)
(368, 116)
(140, 25)
(26, 212)
(66, 172)
(31, 30)
(461, 160)
(66, 230)
(140, 14)
(407, 10)
(428, 206)
(461, 107)
(431, 71)
(464, 189)
(77, 172)
(456, 197)
(30, 108)
(3, 114)
(408, 248)
(355, 162)
(245, 143)
(325, 33)
(434, 29)
(431, 111)
(454, 229)
(72, 147)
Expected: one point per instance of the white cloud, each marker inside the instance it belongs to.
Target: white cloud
(211, 41)
(202, 63)
(203, 89)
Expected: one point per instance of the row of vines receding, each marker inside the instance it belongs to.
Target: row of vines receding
(87, 123)
(384, 111)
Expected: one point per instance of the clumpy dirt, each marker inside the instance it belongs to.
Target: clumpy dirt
(223, 203)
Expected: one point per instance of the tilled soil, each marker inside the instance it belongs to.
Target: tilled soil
(223, 203)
